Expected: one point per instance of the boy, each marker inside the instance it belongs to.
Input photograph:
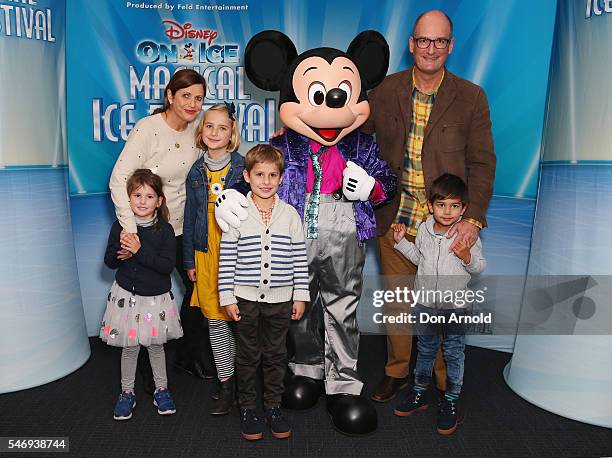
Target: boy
(441, 274)
(263, 283)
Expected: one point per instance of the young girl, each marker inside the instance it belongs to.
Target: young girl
(221, 166)
(140, 308)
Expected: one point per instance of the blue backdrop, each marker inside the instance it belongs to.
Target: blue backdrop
(42, 327)
(119, 58)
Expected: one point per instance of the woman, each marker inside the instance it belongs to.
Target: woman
(165, 143)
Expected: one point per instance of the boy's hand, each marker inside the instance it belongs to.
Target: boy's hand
(130, 242)
(298, 310)
(399, 232)
(191, 273)
(462, 250)
(233, 311)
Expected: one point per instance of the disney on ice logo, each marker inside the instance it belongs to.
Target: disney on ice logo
(185, 52)
(176, 31)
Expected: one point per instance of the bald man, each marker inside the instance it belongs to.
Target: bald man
(427, 122)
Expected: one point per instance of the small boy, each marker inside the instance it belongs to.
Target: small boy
(442, 273)
(263, 284)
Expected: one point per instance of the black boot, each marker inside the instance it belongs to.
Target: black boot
(226, 398)
(351, 414)
(301, 393)
(215, 391)
(193, 353)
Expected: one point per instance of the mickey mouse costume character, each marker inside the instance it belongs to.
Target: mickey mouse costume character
(333, 177)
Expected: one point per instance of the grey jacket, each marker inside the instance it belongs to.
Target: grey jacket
(441, 274)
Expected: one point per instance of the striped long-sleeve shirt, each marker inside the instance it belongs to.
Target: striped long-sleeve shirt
(264, 263)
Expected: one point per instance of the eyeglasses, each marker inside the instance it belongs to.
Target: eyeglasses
(439, 43)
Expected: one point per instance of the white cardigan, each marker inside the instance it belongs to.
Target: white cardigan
(154, 145)
(264, 263)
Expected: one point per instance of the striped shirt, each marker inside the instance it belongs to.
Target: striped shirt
(264, 262)
(413, 199)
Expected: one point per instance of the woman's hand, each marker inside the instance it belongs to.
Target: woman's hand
(130, 242)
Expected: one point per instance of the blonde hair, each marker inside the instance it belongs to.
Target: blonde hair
(234, 139)
(264, 153)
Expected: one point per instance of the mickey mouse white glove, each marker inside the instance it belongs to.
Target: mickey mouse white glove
(356, 183)
(230, 209)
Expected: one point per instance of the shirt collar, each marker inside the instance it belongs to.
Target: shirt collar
(435, 91)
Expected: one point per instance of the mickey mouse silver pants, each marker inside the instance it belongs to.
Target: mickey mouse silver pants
(335, 265)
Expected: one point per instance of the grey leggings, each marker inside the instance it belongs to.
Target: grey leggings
(129, 359)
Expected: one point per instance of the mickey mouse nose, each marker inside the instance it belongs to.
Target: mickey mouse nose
(336, 98)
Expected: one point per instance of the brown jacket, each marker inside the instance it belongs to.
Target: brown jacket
(457, 140)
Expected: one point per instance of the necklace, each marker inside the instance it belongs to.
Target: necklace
(177, 145)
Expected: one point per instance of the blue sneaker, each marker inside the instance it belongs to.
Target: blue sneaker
(124, 406)
(163, 401)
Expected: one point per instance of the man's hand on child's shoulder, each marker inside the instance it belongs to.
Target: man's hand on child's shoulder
(233, 311)
(465, 231)
(298, 310)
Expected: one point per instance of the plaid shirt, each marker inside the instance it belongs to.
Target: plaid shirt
(265, 214)
(413, 201)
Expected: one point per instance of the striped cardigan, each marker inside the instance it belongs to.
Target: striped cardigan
(264, 263)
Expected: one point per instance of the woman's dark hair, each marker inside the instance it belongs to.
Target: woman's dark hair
(180, 80)
(142, 177)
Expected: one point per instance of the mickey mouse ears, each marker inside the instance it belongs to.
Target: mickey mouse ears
(370, 52)
(267, 58)
(269, 54)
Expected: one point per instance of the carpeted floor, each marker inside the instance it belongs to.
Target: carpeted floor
(498, 422)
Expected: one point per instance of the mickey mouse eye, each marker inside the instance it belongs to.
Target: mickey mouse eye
(346, 87)
(316, 93)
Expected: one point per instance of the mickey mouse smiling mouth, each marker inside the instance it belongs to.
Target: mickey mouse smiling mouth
(329, 124)
(327, 134)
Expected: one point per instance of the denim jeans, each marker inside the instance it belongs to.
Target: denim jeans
(430, 335)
